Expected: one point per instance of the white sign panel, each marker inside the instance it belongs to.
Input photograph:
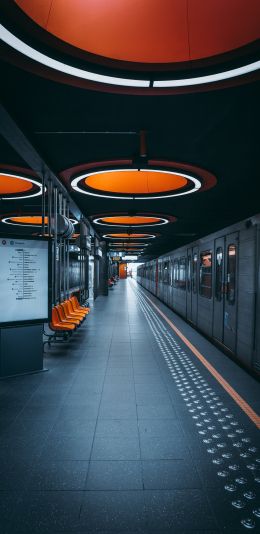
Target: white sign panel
(23, 280)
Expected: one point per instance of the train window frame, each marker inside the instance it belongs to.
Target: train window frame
(231, 287)
(205, 290)
(195, 273)
(189, 273)
(175, 272)
(219, 274)
(165, 272)
(182, 279)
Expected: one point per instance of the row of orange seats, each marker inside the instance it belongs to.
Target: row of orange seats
(68, 315)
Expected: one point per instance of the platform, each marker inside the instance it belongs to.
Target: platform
(130, 432)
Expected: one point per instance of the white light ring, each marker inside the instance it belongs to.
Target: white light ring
(75, 181)
(43, 59)
(26, 180)
(16, 43)
(210, 78)
(149, 236)
(7, 220)
(131, 244)
(112, 225)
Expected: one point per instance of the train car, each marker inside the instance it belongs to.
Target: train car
(214, 283)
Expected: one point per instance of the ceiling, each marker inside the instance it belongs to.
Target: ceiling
(214, 129)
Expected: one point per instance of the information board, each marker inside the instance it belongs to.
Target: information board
(24, 287)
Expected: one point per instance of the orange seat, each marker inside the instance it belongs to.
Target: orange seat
(67, 318)
(56, 324)
(78, 312)
(68, 311)
(77, 307)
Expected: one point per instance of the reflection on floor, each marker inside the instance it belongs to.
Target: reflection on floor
(127, 433)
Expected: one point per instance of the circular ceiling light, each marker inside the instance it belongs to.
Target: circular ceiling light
(28, 220)
(129, 236)
(122, 35)
(135, 220)
(138, 184)
(127, 31)
(13, 187)
(127, 244)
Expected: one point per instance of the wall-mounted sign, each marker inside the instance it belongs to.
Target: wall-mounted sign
(24, 280)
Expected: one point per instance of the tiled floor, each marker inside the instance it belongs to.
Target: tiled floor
(105, 441)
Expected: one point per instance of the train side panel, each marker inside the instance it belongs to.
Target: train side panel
(214, 283)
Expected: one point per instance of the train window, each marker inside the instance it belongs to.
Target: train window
(231, 274)
(206, 274)
(219, 274)
(160, 272)
(189, 274)
(166, 272)
(175, 273)
(194, 273)
(182, 274)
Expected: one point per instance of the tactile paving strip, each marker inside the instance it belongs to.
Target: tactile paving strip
(224, 438)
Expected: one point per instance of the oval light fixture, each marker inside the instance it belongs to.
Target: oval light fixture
(127, 220)
(28, 220)
(66, 67)
(14, 187)
(128, 244)
(138, 184)
(129, 236)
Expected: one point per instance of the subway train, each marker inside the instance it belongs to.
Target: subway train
(214, 284)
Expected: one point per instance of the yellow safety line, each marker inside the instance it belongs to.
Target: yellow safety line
(231, 391)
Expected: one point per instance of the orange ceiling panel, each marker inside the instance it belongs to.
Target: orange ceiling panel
(218, 26)
(130, 220)
(135, 182)
(129, 236)
(33, 219)
(149, 31)
(38, 10)
(10, 185)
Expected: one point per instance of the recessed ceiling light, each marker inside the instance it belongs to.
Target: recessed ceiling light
(140, 184)
(19, 187)
(33, 54)
(126, 220)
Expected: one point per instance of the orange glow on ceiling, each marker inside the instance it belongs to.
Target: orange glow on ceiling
(136, 182)
(149, 31)
(32, 219)
(128, 236)
(10, 185)
(128, 221)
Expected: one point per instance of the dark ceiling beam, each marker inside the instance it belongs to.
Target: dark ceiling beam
(16, 138)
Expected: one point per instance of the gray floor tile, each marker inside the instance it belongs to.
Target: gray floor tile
(160, 411)
(73, 446)
(114, 510)
(160, 427)
(116, 428)
(107, 448)
(169, 474)
(59, 476)
(178, 509)
(117, 411)
(163, 448)
(115, 475)
(45, 512)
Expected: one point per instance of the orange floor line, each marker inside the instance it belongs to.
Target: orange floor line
(231, 391)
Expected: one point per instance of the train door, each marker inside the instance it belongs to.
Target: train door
(189, 288)
(156, 278)
(194, 284)
(219, 272)
(230, 302)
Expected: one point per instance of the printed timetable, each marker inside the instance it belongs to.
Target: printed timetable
(23, 280)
